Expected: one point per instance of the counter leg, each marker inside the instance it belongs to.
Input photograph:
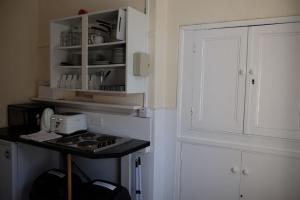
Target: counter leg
(69, 175)
(119, 168)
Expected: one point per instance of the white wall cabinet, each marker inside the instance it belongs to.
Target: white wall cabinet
(225, 174)
(94, 52)
(273, 98)
(242, 80)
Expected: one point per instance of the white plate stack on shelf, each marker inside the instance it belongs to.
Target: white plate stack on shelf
(118, 55)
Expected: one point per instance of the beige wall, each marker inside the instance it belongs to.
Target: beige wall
(24, 55)
(203, 11)
(18, 53)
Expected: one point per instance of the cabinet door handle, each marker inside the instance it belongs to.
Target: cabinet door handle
(251, 72)
(120, 21)
(7, 154)
(245, 172)
(235, 170)
(241, 72)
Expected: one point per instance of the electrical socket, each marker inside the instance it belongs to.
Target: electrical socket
(92, 120)
(144, 112)
(99, 121)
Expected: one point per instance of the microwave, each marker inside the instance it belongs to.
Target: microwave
(26, 118)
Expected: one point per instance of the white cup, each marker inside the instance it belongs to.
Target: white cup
(98, 39)
(89, 82)
(68, 81)
(94, 82)
(63, 81)
(78, 82)
(74, 81)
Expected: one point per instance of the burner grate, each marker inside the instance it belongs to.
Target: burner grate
(88, 145)
(68, 140)
(88, 136)
(90, 141)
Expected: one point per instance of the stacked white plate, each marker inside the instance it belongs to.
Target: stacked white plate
(118, 55)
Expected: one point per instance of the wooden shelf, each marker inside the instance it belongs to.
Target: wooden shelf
(68, 67)
(106, 66)
(88, 104)
(107, 44)
(92, 66)
(69, 47)
(105, 91)
(94, 91)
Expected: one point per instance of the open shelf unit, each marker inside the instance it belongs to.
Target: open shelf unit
(94, 51)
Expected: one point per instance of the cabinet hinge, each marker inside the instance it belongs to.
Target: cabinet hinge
(194, 48)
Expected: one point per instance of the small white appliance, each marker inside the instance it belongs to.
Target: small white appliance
(68, 123)
(45, 119)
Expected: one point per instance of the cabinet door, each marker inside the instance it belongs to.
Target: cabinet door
(209, 173)
(219, 79)
(5, 172)
(270, 177)
(273, 92)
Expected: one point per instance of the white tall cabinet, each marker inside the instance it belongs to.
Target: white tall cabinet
(239, 111)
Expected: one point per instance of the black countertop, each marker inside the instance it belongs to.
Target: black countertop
(113, 152)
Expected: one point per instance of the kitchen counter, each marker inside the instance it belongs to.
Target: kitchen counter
(113, 152)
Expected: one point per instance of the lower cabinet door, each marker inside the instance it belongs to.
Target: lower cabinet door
(209, 173)
(270, 177)
(6, 172)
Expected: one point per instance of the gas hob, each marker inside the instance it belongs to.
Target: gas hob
(91, 142)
